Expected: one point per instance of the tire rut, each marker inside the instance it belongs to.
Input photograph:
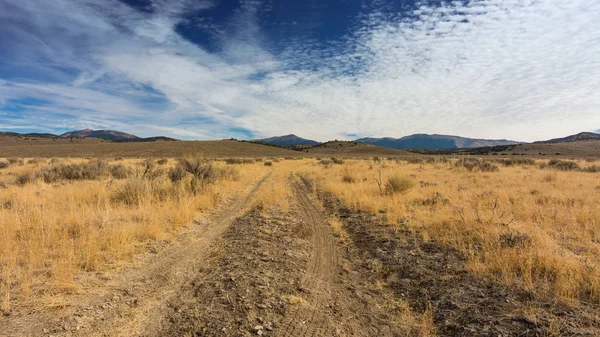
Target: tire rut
(308, 320)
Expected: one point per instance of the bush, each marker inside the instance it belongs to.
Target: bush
(132, 192)
(398, 184)
(85, 171)
(176, 173)
(24, 178)
(3, 164)
(472, 164)
(562, 165)
(326, 163)
(233, 161)
(348, 178)
(591, 169)
(268, 163)
(118, 171)
(35, 161)
(162, 161)
(517, 161)
(337, 161)
(15, 161)
(149, 170)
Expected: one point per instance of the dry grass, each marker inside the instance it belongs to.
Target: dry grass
(538, 229)
(77, 216)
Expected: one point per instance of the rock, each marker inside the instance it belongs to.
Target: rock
(258, 328)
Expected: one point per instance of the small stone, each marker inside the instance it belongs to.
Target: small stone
(45, 330)
(258, 328)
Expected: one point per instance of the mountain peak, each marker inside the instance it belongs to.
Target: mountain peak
(287, 140)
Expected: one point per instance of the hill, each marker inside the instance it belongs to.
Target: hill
(424, 141)
(102, 134)
(350, 148)
(29, 147)
(582, 136)
(287, 140)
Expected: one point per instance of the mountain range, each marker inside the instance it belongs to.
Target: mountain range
(112, 135)
(417, 141)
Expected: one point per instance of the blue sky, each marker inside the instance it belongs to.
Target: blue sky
(517, 69)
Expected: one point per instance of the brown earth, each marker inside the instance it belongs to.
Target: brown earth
(585, 149)
(354, 149)
(92, 147)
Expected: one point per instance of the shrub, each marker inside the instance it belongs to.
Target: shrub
(562, 165)
(34, 161)
(162, 161)
(24, 178)
(398, 184)
(85, 171)
(591, 169)
(3, 164)
(118, 171)
(176, 173)
(326, 163)
(150, 171)
(15, 161)
(202, 171)
(268, 163)
(228, 173)
(472, 164)
(132, 192)
(348, 178)
(233, 161)
(517, 161)
(337, 161)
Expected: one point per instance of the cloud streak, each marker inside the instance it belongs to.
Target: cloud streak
(519, 69)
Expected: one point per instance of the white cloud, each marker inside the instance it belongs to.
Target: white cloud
(518, 69)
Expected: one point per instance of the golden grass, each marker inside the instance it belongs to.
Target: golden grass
(50, 232)
(528, 227)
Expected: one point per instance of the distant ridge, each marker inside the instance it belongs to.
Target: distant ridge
(102, 134)
(287, 140)
(111, 135)
(425, 141)
(573, 138)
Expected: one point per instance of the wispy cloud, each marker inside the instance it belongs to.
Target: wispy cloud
(515, 69)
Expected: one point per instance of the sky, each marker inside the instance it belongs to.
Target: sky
(330, 69)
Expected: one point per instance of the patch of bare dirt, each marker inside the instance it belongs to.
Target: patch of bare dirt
(280, 274)
(431, 275)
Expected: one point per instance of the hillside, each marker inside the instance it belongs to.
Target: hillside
(11, 146)
(582, 136)
(344, 148)
(424, 141)
(102, 134)
(287, 140)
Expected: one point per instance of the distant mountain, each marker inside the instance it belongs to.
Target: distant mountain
(424, 141)
(287, 140)
(573, 138)
(103, 134)
(39, 135)
(115, 136)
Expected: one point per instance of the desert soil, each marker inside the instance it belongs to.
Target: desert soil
(252, 270)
